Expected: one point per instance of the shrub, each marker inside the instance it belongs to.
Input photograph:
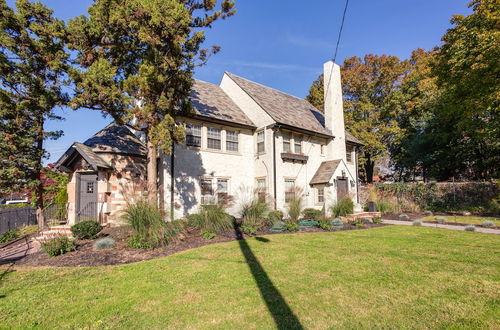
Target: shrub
(58, 246)
(417, 223)
(295, 207)
(171, 230)
(487, 224)
(441, 220)
(87, 229)
(366, 220)
(343, 207)
(337, 223)
(324, 223)
(104, 243)
(147, 224)
(249, 229)
(428, 213)
(212, 218)
(9, 235)
(470, 228)
(291, 226)
(311, 214)
(206, 234)
(28, 230)
(377, 220)
(404, 217)
(274, 216)
(138, 242)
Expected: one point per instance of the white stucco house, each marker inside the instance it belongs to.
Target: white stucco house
(243, 138)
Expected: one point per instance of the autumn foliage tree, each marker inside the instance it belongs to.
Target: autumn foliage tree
(33, 66)
(135, 61)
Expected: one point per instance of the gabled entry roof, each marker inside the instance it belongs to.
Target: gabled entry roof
(325, 172)
(118, 139)
(79, 149)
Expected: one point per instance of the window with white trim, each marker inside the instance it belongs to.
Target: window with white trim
(231, 141)
(261, 139)
(213, 138)
(298, 144)
(222, 190)
(193, 135)
(289, 190)
(320, 195)
(286, 142)
(207, 193)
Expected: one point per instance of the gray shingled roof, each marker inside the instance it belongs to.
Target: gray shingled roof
(116, 138)
(282, 107)
(86, 153)
(348, 136)
(210, 101)
(325, 172)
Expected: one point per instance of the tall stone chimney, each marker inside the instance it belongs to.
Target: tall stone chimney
(334, 110)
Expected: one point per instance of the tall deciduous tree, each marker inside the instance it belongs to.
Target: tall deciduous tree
(136, 60)
(33, 63)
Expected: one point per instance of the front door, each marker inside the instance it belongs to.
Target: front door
(342, 188)
(87, 197)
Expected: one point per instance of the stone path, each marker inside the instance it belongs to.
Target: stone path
(19, 249)
(436, 225)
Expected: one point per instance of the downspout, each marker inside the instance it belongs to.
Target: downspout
(172, 182)
(274, 169)
(357, 179)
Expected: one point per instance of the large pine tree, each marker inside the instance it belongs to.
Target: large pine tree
(33, 63)
(136, 60)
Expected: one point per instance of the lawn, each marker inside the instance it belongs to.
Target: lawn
(464, 219)
(395, 276)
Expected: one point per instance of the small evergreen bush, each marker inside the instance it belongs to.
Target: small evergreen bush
(337, 223)
(138, 242)
(343, 207)
(9, 235)
(104, 243)
(404, 217)
(487, 224)
(291, 226)
(441, 220)
(470, 228)
(324, 223)
(417, 223)
(87, 229)
(206, 234)
(58, 246)
(249, 229)
(311, 214)
(275, 216)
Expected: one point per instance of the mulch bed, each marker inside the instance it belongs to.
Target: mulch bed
(85, 256)
(418, 216)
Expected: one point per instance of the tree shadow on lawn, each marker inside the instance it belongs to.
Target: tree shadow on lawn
(282, 314)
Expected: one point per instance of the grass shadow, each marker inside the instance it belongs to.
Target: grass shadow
(282, 313)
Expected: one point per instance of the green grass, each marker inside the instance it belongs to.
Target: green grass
(464, 219)
(393, 277)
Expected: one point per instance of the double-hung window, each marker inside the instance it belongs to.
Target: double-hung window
(207, 193)
(231, 141)
(289, 190)
(222, 190)
(286, 143)
(193, 135)
(213, 138)
(261, 146)
(321, 195)
(298, 144)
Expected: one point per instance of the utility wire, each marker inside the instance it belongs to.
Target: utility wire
(340, 31)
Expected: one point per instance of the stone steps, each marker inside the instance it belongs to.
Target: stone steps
(54, 232)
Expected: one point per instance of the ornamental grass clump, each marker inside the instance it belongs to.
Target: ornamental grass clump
(441, 220)
(254, 216)
(295, 207)
(470, 228)
(343, 207)
(104, 244)
(487, 224)
(212, 219)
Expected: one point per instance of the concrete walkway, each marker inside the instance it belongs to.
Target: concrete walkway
(436, 225)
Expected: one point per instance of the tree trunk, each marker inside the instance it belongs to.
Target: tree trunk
(38, 176)
(369, 165)
(152, 174)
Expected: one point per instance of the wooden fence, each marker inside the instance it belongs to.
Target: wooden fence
(16, 218)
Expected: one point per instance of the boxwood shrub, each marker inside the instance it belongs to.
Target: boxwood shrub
(87, 229)
(58, 246)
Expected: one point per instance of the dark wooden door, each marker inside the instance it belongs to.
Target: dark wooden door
(87, 196)
(342, 188)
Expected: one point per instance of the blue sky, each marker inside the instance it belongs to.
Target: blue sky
(283, 44)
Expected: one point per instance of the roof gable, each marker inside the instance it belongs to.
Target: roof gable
(284, 108)
(210, 101)
(116, 138)
(79, 149)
